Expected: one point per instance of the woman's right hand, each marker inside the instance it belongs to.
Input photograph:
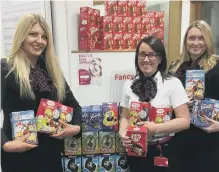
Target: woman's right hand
(125, 139)
(18, 145)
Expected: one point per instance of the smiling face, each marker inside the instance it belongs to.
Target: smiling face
(195, 43)
(148, 60)
(35, 43)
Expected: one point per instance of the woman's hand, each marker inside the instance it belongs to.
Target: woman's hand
(214, 126)
(125, 139)
(151, 127)
(18, 145)
(68, 130)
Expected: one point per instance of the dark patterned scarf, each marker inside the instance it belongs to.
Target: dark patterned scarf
(39, 79)
(145, 87)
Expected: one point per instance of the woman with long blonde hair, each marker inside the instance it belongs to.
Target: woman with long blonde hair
(198, 148)
(29, 73)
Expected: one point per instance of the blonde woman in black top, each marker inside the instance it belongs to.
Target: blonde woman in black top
(198, 148)
(31, 72)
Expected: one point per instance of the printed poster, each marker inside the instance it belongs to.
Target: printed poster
(90, 70)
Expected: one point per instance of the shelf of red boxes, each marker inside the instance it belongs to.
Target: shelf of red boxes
(123, 26)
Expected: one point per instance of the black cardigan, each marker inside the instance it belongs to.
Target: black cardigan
(48, 147)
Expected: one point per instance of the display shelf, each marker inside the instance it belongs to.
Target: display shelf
(102, 51)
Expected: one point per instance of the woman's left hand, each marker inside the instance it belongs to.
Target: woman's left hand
(214, 126)
(151, 127)
(68, 130)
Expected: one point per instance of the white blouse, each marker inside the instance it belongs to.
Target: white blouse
(170, 93)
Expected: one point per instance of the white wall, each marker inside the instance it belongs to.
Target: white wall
(65, 26)
(185, 19)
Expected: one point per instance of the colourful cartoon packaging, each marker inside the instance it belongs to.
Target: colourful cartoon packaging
(205, 108)
(66, 114)
(121, 162)
(23, 123)
(106, 142)
(110, 116)
(139, 111)
(119, 146)
(72, 163)
(107, 162)
(215, 113)
(47, 116)
(95, 118)
(194, 111)
(90, 143)
(72, 146)
(160, 115)
(195, 83)
(138, 134)
(90, 163)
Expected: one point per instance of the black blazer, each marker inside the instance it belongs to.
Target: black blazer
(47, 154)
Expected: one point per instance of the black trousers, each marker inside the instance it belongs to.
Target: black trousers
(142, 164)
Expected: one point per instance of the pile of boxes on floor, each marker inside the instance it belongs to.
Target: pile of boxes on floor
(100, 147)
(123, 26)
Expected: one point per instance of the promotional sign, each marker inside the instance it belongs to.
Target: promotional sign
(90, 70)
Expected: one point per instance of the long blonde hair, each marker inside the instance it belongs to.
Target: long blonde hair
(20, 65)
(207, 62)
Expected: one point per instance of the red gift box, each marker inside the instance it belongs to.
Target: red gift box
(122, 8)
(118, 40)
(138, 135)
(141, 7)
(111, 7)
(159, 18)
(139, 111)
(132, 8)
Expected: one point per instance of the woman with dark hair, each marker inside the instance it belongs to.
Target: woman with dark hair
(153, 85)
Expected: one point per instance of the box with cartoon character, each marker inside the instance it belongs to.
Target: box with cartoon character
(90, 163)
(90, 143)
(23, 123)
(215, 113)
(205, 108)
(160, 115)
(85, 117)
(106, 142)
(110, 116)
(72, 146)
(138, 135)
(121, 163)
(91, 118)
(195, 83)
(72, 163)
(119, 146)
(95, 118)
(66, 114)
(139, 111)
(107, 162)
(47, 116)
